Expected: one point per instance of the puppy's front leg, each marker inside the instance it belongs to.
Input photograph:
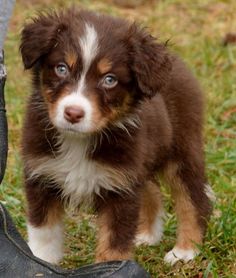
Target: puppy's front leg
(45, 228)
(117, 221)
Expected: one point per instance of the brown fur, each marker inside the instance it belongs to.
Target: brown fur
(118, 225)
(190, 230)
(105, 251)
(151, 204)
(155, 86)
(45, 207)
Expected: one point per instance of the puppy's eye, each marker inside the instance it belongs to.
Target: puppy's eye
(61, 70)
(109, 81)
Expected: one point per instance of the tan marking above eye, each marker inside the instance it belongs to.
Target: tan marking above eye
(71, 58)
(104, 65)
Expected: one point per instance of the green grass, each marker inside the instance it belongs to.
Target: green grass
(195, 30)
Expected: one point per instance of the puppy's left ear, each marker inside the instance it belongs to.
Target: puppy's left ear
(151, 63)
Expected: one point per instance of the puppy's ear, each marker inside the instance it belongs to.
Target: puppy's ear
(151, 63)
(37, 39)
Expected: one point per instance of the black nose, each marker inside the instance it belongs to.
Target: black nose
(73, 114)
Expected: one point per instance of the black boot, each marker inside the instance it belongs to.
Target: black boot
(17, 260)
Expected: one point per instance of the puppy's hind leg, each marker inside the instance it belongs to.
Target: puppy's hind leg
(150, 228)
(193, 209)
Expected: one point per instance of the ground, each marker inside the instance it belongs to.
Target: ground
(195, 30)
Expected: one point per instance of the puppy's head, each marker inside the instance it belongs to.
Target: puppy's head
(92, 70)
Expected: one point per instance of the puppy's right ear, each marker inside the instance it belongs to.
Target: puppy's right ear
(150, 61)
(37, 39)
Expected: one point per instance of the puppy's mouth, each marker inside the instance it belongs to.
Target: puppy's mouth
(74, 130)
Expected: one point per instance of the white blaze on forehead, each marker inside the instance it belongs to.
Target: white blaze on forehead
(89, 49)
(89, 46)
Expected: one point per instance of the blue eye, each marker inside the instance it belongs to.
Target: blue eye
(61, 70)
(109, 81)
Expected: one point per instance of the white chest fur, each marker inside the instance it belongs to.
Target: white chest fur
(78, 177)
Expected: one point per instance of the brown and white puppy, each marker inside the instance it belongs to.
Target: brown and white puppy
(110, 108)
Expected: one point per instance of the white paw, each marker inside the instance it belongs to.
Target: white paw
(154, 236)
(47, 253)
(177, 254)
(46, 243)
(147, 239)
